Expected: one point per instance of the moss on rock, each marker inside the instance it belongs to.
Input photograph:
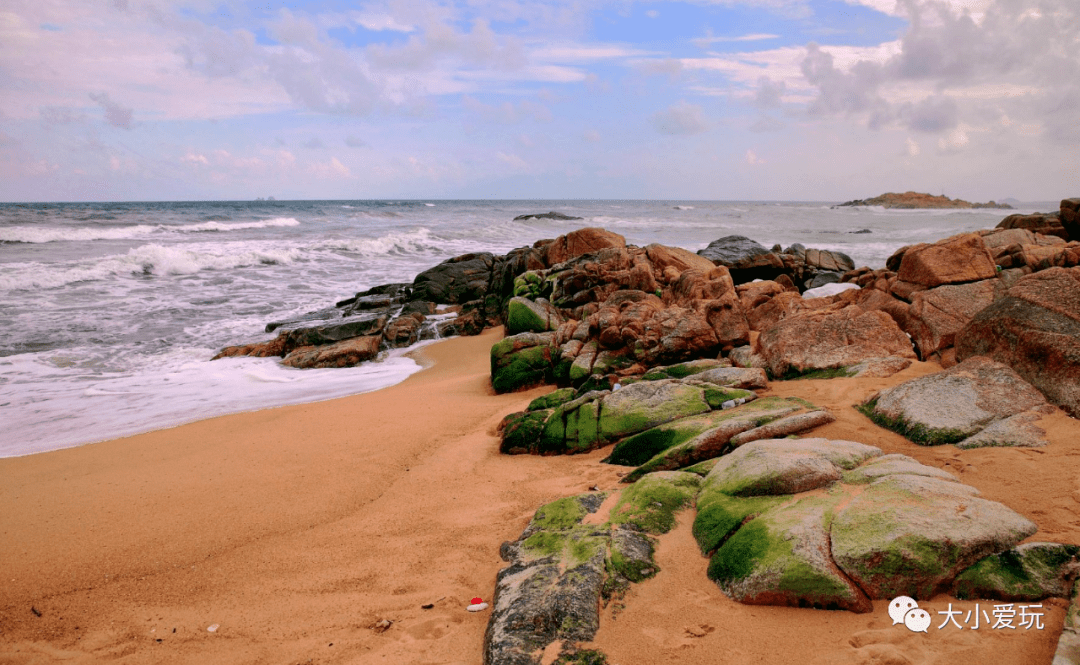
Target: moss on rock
(1031, 571)
(651, 503)
(552, 399)
(718, 515)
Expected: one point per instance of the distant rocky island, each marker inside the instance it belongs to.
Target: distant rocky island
(920, 200)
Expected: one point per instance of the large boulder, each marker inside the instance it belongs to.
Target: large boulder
(523, 360)
(524, 315)
(1035, 330)
(883, 526)
(551, 590)
(732, 249)
(950, 406)
(910, 535)
(457, 280)
(582, 241)
(938, 314)
(962, 258)
(1045, 223)
(831, 338)
(1028, 572)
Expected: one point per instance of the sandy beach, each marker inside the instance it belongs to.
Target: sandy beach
(295, 529)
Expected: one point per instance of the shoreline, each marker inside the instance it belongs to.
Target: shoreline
(297, 528)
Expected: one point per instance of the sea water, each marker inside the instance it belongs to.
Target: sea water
(110, 312)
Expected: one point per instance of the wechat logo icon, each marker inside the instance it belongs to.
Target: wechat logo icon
(905, 610)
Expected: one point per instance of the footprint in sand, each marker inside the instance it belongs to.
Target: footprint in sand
(700, 630)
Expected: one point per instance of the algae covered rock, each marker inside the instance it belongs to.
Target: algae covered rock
(712, 442)
(650, 504)
(1031, 571)
(640, 406)
(683, 370)
(782, 558)
(640, 448)
(950, 406)
(813, 522)
(909, 535)
(552, 588)
(523, 360)
(524, 315)
(786, 466)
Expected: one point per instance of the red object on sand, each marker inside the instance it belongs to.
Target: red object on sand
(477, 601)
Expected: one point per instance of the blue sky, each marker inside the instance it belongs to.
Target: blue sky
(728, 99)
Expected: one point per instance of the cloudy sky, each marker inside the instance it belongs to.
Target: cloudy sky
(704, 99)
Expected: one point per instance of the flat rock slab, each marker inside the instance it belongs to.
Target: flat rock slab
(958, 403)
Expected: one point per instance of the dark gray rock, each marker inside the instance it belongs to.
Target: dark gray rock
(545, 215)
(367, 324)
(822, 278)
(732, 249)
(457, 280)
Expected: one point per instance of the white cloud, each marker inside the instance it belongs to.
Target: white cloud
(682, 118)
(193, 158)
(955, 142)
(331, 169)
(753, 159)
(511, 160)
(912, 148)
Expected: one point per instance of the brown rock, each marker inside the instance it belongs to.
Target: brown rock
(340, 354)
(1046, 224)
(663, 257)
(962, 258)
(582, 241)
(836, 336)
(403, 331)
(938, 314)
(754, 294)
(1070, 218)
(275, 347)
(1035, 329)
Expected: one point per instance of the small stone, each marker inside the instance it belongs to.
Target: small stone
(212, 628)
(382, 625)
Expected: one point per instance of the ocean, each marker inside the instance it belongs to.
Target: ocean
(111, 311)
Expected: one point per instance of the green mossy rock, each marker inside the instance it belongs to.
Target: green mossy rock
(782, 558)
(715, 440)
(910, 535)
(581, 368)
(524, 315)
(522, 361)
(552, 399)
(640, 448)
(786, 466)
(1028, 572)
(950, 406)
(641, 406)
(683, 370)
(651, 503)
(701, 468)
(718, 515)
(887, 465)
(521, 431)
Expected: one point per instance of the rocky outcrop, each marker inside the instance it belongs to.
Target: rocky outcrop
(1035, 330)
(545, 215)
(1027, 572)
(957, 404)
(912, 200)
(523, 360)
(796, 265)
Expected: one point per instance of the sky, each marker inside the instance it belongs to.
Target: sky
(813, 100)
